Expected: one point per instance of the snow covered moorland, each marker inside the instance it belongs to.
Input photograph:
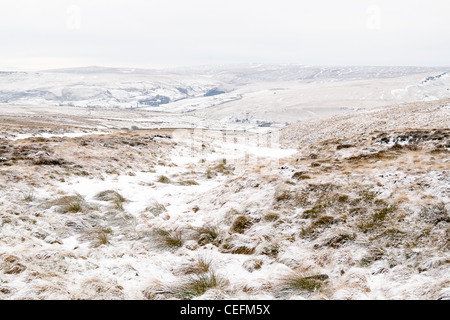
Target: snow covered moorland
(158, 204)
(242, 96)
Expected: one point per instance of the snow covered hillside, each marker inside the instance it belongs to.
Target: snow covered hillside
(245, 95)
(354, 206)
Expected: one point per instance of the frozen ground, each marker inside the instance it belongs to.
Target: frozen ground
(351, 201)
(205, 214)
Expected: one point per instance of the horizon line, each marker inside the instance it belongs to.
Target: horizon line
(212, 65)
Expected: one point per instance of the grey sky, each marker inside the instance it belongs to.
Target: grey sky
(149, 33)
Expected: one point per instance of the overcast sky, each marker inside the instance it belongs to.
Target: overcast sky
(151, 33)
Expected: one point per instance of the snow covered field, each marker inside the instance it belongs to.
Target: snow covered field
(111, 203)
(244, 96)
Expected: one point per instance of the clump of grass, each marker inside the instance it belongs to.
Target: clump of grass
(344, 146)
(271, 250)
(440, 149)
(271, 217)
(119, 205)
(283, 195)
(237, 249)
(208, 234)
(300, 175)
(101, 238)
(11, 265)
(377, 219)
(367, 196)
(170, 239)
(163, 179)
(74, 207)
(222, 167)
(201, 265)
(339, 240)
(28, 196)
(343, 198)
(193, 286)
(188, 183)
(156, 208)
(72, 204)
(304, 284)
(373, 255)
(317, 225)
(380, 215)
(49, 161)
(373, 157)
(253, 264)
(209, 174)
(324, 221)
(196, 285)
(112, 171)
(81, 173)
(110, 195)
(314, 212)
(240, 224)
(393, 237)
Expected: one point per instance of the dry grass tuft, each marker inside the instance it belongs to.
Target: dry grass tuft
(300, 283)
(110, 195)
(169, 239)
(71, 204)
(208, 234)
(240, 224)
(201, 265)
(163, 179)
(190, 287)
